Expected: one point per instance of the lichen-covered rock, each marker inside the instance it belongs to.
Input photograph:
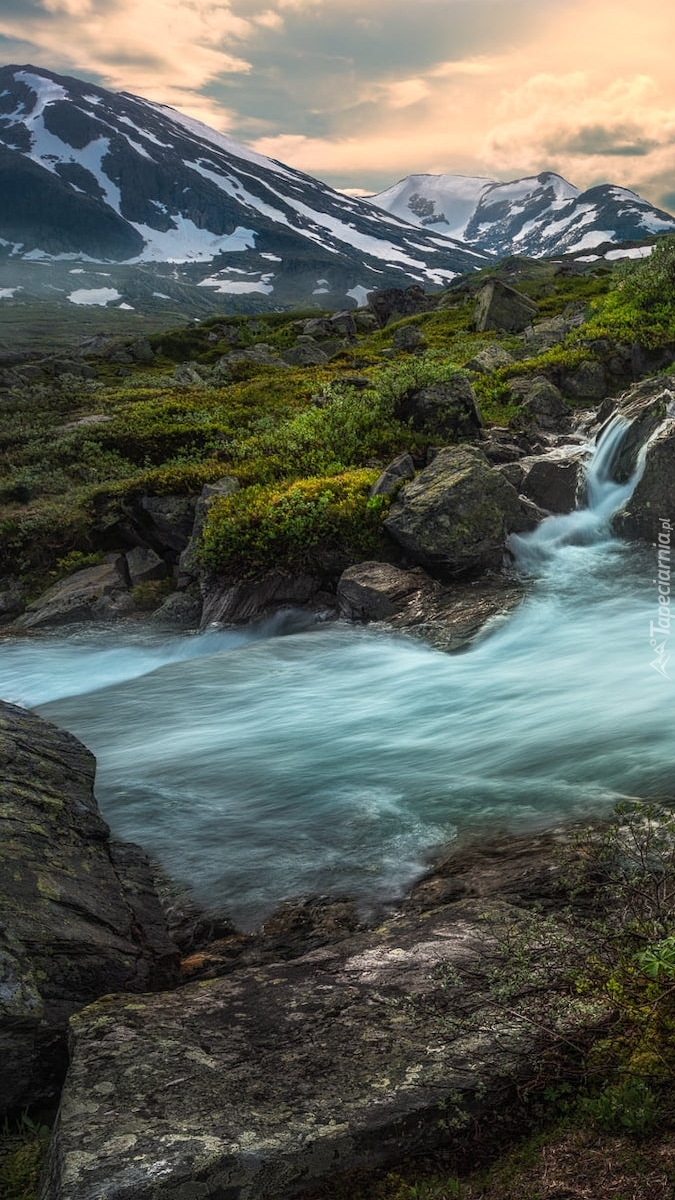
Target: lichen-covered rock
(80, 918)
(491, 358)
(144, 565)
(501, 307)
(94, 593)
(541, 400)
(455, 516)
(408, 338)
(305, 354)
(587, 382)
(269, 1080)
(448, 410)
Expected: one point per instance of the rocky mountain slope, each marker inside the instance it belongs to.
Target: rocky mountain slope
(88, 173)
(539, 216)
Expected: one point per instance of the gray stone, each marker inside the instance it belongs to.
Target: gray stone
(398, 471)
(188, 375)
(541, 400)
(587, 382)
(141, 350)
(12, 602)
(395, 303)
(366, 322)
(343, 324)
(227, 486)
(305, 354)
(144, 565)
(375, 591)
(448, 410)
(491, 358)
(646, 406)
(233, 603)
(319, 328)
(552, 482)
(456, 514)
(180, 609)
(545, 334)
(408, 338)
(80, 917)
(272, 1079)
(501, 307)
(169, 519)
(76, 598)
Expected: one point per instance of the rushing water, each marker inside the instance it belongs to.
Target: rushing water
(257, 766)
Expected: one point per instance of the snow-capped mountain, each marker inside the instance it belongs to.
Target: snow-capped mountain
(538, 216)
(91, 174)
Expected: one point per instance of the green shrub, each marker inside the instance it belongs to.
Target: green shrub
(290, 526)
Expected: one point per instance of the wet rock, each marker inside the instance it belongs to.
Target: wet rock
(455, 516)
(80, 916)
(180, 609)
(490, 359)
(94, 593)
(399, 471)
(501, 307)
(650, 513)
(375, 591)
(646, 405)
(144, 565)
(553, 481)
(232, 603)
(448, 411)
(450, 618)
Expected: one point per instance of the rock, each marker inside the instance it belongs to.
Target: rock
(545, 334)
(226, 486)
(80, 917)
(181, 609)
(366, 322)
(646, 360)
(541, 400)
(233, 603)
(12, 603)
(646, 406)
(84, 596)
(552, 482)
(386, 303)
(398, 471)
(501, 307)
(343, 324)
(305, 354)
(375, 591)
(144, 565)
(168, 520)
(490, 359)
(261, 355)
(587, 382)
(141, 350)
(455, 516)
(409, 338)
(450, 618)
(271, 1080)
(318, 327)
(514, 472)
(497, 450)
(650, 512)
(448, 410)
(188, 375)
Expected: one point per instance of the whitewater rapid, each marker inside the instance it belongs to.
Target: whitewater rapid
(334, 759)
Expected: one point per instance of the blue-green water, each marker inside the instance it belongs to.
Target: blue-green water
(333, 759)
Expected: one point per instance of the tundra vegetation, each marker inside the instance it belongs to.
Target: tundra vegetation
(306, 443)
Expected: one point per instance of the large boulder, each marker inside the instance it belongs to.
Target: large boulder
(553, 481)
(391, 304)
(167, 520)
(490, 359)
(587, 382)
(375, 591)
(95, 593)
(233, 602)
(307, 353)
(502, 308)
(541, 400)
(650, 512)
(455, 516)
(80, 914)
(447, 411)
(646, 406)
(269, 1081)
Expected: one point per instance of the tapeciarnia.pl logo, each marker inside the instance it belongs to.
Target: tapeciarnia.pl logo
(660, 632)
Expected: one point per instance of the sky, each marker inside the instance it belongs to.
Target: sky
(360, 93)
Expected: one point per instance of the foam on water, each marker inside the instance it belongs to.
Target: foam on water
(333, 759)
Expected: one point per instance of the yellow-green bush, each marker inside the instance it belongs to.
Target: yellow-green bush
(287, 525)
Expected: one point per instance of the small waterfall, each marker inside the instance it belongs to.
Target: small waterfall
(534, 552)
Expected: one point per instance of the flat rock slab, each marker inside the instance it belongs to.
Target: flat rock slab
(266, 1081)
